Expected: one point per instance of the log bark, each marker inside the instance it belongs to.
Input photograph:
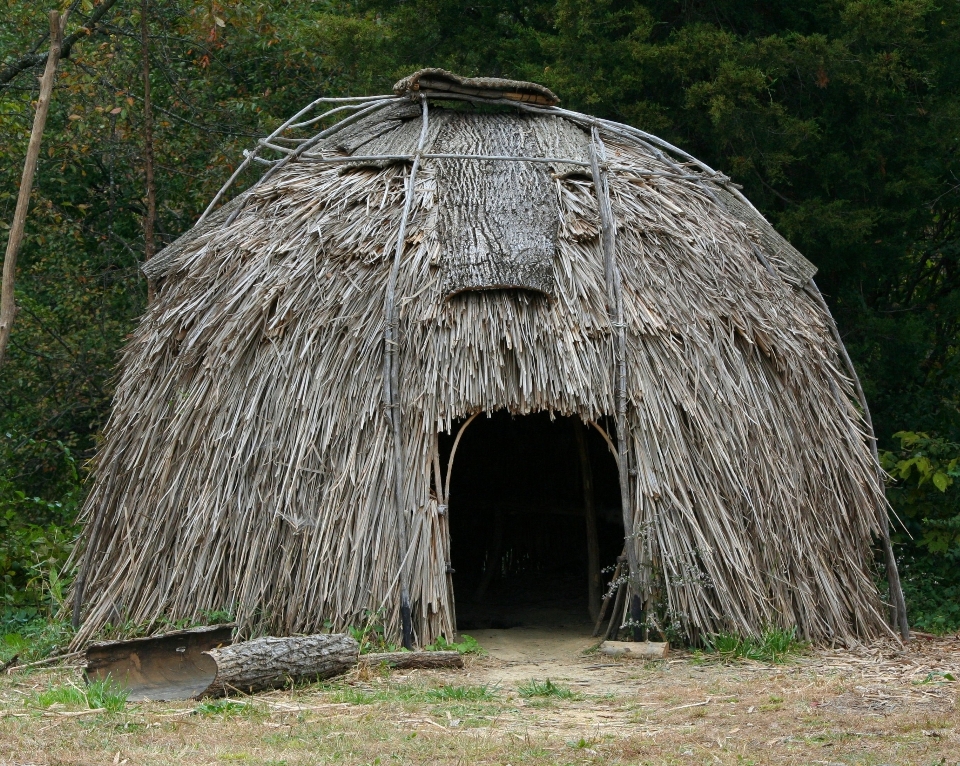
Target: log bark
(8, 306)
(271, 663)
(410, 660)
(641, 650)
(498, 228)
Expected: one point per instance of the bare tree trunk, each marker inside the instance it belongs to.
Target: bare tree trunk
(150, 219)
(8, 306)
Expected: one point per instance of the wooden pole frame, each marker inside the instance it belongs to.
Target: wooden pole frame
(608, 229)
(391, 384)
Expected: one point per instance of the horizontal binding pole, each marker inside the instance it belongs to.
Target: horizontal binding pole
(501, 158)
(411, 157)
(655, 173)
(282, 149)
(346, 107)
(259, 160)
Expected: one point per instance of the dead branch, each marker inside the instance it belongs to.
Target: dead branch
(34, 60)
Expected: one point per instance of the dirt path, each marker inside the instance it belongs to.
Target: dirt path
(884, 704)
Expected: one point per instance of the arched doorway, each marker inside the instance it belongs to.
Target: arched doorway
(534, 513)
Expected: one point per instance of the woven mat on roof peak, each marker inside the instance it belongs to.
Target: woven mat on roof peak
(442, 81)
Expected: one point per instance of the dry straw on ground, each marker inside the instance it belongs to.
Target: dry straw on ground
(249, 461)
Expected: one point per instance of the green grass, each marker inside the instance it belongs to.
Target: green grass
(222, 706)
(546, 688)
(466, 645)
(99, 694)
(459, 694)
(31, 639)
(774, 645)
(389, 693)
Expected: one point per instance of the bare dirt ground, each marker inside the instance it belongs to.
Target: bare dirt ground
(883, 704)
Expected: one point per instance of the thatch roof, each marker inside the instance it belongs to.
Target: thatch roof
(250, 458)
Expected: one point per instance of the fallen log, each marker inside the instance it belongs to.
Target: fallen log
(642, 650)
(271, 663)
(202, 662)
(410, 660)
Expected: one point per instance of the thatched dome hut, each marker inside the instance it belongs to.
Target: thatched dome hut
(284, 427)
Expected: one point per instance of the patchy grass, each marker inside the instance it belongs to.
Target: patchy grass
(223, 706)
(774, 646)
(99, 695)
(466, 645)
(400, 693)
(32, 640)
(548, 688)
(458, 694)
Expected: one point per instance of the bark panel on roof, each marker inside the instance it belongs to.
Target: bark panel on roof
(498, 221)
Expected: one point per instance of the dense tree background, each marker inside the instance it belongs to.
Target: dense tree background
(841, 119)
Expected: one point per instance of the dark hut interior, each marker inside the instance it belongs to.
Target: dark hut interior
(525, 511)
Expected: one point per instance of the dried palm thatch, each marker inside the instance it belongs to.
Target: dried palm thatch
(273, 444)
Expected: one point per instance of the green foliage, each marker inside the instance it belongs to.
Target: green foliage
(36, 537)
(372, 636)
(548, 688)
(106, 695)
(774, 645)
(466, 645)
(32, 639)
(924, 492)
(931, 587)
(926, 497)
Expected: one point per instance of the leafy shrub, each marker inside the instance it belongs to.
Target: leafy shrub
(31, 637)
(931, 587)
(924, 492)
(36, 537)
(372, 636)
